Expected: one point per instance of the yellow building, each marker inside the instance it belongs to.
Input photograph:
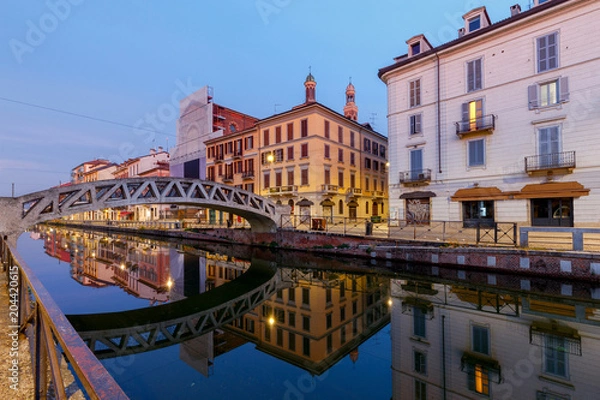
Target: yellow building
(319, 162)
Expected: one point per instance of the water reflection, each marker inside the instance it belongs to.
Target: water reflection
(454, 334)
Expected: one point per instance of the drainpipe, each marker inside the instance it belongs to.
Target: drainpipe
(444, 355)
(439, 113)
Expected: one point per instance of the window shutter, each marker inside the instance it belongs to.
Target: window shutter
(563, 87)
(478, 74)
(533, 97)
(418, 123)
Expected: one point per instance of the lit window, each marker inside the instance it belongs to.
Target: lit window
(478, 379)
(548, 94)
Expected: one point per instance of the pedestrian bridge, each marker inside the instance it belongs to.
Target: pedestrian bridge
(19, 213)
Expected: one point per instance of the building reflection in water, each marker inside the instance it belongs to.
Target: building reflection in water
(469, 340)
(316, 320)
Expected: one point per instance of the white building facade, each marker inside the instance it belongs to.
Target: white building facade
(500, 124)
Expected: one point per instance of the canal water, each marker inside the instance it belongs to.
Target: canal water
(183, 320)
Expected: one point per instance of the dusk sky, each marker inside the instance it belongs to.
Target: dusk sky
(129, 62)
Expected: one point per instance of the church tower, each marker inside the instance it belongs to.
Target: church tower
(350, 109)
(310, 84)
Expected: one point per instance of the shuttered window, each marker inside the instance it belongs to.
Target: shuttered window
(547, 52)
(474, 75)
(415, 124)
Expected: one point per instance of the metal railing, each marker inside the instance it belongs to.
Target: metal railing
(53, 341)
(550, 161)
(415, 176)
(485, 123)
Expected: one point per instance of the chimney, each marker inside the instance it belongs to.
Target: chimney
(152, 151)
(515, 10)
(160, 149)
(461, 32)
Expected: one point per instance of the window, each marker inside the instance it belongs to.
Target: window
(304, 176)
(472, 116)
(547, 52)
(548, 94)
(549, 145)
(366, 145)
(478, 379)
(290, 131)
(351, 139)
(306, 323)
(278, 134)
(367, 187)
(341, 180)
(249, 142)
(326, 154)
(418, 322)
(326, 129)
(266, 178)
(278, 155)
(341, 155)
(279, 337)
(420, 362)
(474, 23)
(476, 153)
(340, 134)
(343, 313)
(292, 319)
(266, 137)
(352, 159)
(481, 339)
(415, 93)
(367, 163)
(415, 124)
(305, 297)
(552, 212)
(415, 48)
(416, 164)
(290, 177)
(304, 150)
(327, 176)
(292, 295)
(478, 212)
(304, 128)
(291, 341)
(474, 75)
(278, 179)
(352, 180)
(420, 390)
(555, 358)
(375, 166)
(290, 153)
(328, 320)
(306, 346)
(382, 151)
(375, 149)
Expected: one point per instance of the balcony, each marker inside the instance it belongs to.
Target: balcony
(248, 174)
(291, 190)
(219, 158)
(379, 194)
(415, 177)
(227, 178)
(329, 189)
(485, 124)
(237, 154)
(550, 163)
(354, 192)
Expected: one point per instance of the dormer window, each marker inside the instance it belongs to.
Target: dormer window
(417, 45)
(476, 19)
(474, 23)
(540, 2)
(415, 48)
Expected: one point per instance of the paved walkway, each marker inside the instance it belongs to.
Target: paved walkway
(25, 388)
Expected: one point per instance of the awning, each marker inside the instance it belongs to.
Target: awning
(552, 189)
(480, 193)
(126, 212)
(304, 203)
(470, 360)
(327, 203)
(418, 195)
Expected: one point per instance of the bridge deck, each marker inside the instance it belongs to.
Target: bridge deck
(26, 386)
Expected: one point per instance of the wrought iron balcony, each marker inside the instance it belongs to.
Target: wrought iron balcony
(219, 158)
(289, 189)
(248, 174)
(237, 154)
(415, 177)
(487, 123)
(329, 188)
(554, 162)
(227, 178)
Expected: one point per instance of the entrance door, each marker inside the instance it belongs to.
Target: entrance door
(552, 212)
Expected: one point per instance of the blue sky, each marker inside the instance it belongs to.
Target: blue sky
(131, 61)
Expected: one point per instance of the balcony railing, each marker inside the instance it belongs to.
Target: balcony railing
(547, 162)
(482, 124)
(227, 178)
(417, 176)
(354, 191)
(237, 153)
(219, 158)
(329, 188)
(380, 194)
(248, 174)
(289, 189)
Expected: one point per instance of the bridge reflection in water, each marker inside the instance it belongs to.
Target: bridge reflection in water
(453, 333)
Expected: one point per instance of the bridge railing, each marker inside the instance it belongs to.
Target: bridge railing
(56, 348)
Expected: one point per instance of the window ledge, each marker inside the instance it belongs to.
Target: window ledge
(420, 340)
(557, 381)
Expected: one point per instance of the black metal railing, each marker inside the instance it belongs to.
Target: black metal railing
(485, 123)
(543, 162)
(53, 340)
(415, 176)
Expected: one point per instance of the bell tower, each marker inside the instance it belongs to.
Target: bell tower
(350, 109)
(310, 84)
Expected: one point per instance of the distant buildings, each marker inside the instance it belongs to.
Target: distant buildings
(315, 160)
(499, 125)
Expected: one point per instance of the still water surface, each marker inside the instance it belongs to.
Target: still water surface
(175, 320)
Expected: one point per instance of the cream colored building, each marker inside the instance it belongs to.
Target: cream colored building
(499, 125)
